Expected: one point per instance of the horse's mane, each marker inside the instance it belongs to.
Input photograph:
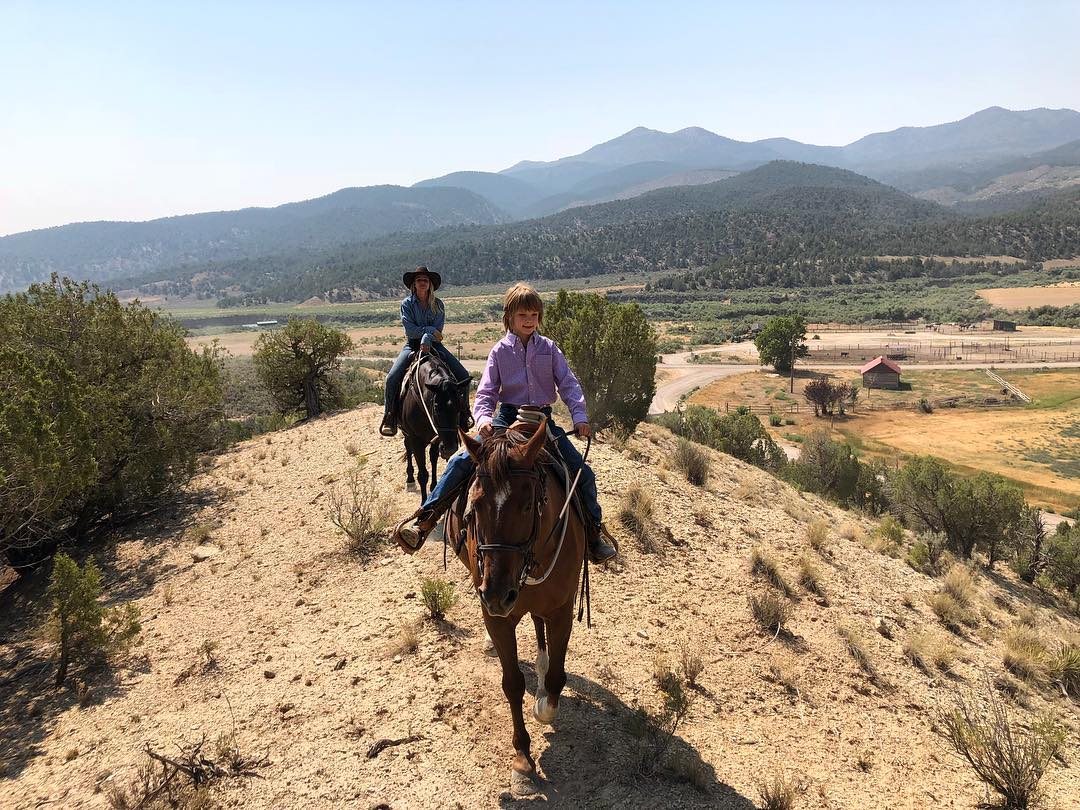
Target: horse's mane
(495, 455)
(434, 369)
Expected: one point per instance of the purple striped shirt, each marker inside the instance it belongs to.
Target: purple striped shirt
(527, 374)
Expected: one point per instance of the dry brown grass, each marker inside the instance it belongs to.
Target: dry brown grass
(785, 677)
(408, 641)
(690, 663)
(810, 576)
(959, 583)
(693, 461)
(952, 614)
(636, 515)
(771, 610)
(779, 792)
(1025, 654)
(1027, 297)
(1027, 617)
(762, 565)
(925, 650)
(851, 531)
(817, 536)
(857, 649)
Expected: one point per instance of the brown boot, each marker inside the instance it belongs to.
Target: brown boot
(411, 538)
(602, 546)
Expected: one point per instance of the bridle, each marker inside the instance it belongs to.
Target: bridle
(539, 499)
(539, 496)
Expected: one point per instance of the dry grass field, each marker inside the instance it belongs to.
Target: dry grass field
(1037, 446)
(1056, 295)
(474, 339)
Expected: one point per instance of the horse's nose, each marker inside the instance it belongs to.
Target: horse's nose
(497, 604)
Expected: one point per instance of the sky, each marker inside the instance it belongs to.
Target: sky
(139, 110)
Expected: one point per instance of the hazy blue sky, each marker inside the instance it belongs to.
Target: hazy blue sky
(139, 110)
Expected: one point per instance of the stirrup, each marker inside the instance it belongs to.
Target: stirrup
(411, 538)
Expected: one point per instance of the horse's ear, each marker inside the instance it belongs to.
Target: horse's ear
(534, 445)
(471, 445)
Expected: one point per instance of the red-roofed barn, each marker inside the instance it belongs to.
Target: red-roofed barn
(881, 373)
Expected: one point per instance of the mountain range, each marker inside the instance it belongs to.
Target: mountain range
(993, 161)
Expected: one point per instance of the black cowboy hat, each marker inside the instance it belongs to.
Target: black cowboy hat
(409, 278)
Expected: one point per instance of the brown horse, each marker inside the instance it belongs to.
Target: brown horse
(523, 559)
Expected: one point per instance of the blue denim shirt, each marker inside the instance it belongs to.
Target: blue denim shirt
(421, 322)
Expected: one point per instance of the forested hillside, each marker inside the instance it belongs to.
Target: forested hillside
(102, 250)
(785, 224)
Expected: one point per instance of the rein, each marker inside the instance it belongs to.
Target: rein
(423, 402)
(561, 522)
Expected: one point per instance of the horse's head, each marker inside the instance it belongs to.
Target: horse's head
(506, 502)
(447, 401)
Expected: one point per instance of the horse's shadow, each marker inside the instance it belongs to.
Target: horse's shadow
(597, 757)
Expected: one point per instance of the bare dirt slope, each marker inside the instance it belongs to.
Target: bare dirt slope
(306, 667)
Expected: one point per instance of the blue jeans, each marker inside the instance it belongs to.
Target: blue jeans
(397, 371)
(460, 467)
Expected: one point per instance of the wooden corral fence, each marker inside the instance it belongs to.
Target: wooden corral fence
(791, 407)
(971, 351)
(864, 406)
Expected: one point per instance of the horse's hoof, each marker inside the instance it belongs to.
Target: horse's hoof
(544, 711)
(410, 486)
(523, 784)
(489, 646)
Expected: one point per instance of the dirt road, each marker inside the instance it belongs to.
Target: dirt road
(686, 376)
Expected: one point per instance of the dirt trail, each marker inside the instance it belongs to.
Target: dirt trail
(306, 667)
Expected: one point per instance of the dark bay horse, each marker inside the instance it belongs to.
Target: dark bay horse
(432, 408)
(523, 560)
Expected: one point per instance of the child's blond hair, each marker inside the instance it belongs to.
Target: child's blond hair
(522, 297)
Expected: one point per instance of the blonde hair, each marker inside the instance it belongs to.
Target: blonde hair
(433, 303)
(522, 297)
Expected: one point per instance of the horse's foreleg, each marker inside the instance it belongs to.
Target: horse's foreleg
(421, 473)
(433, 454)
(502, 632)
(410, 484)
(554, 676)
(541, 656)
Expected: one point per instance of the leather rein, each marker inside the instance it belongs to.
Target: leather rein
(539, 491)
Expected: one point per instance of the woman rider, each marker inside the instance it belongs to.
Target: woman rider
(423, 316)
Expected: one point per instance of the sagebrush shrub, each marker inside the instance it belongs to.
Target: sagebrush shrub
(439, 596)
(361, 510)
(1008, 758)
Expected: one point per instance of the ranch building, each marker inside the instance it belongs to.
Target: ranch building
(881, 373)
(1004, 326)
